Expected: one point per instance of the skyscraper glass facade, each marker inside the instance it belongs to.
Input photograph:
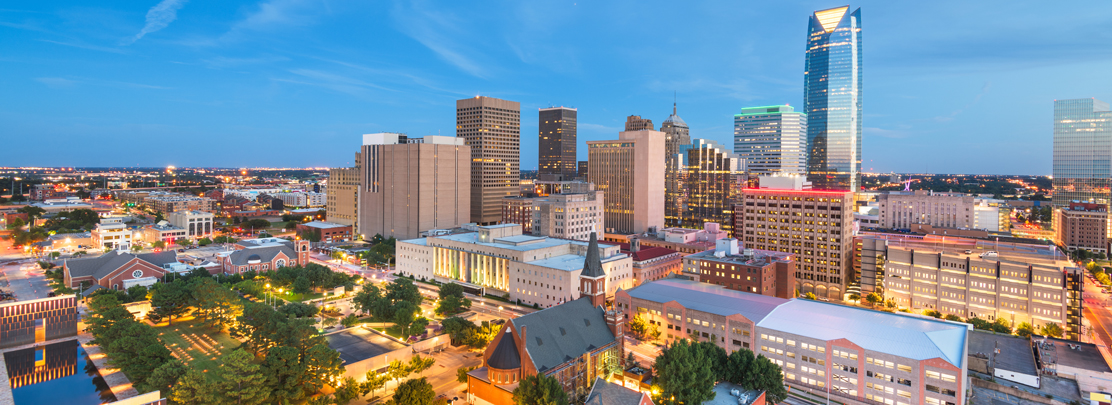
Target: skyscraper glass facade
(1082, 151)
(557, 143)
(832, 99)
(772, 140)
(712, 179)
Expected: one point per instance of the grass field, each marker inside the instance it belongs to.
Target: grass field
(186, 340)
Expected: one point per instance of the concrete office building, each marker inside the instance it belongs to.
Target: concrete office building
(572, 214)
(1082, 226)
(112, 233)
(1082, 152)
(636, 123)
(629, 170)
(535, 269)
(343, 194)
(173, 203)
(491, 129)
(302, 199)
(708, 181)
(971, 278)
(832, 98)
(817, 226)
(162, 231)
(557, 144)
(862, 356)
(772, 140)
(198, 224)
(583, 170)
(902, 209)
(751, 270)
(410, 185)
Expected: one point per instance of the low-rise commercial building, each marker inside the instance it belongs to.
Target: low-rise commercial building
(62, 204)
(1082, 226)
(174, 203)
(975, 279)
(900, 209)
(197, 224)
(535, 269)
(326, 231)
(751, 270)
(861, 355)
(164, 232)
(112, 233)
(302, 199)
(652, 263)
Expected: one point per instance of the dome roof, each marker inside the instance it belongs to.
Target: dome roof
(505, 356)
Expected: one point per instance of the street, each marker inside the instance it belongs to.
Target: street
(644, 352)
(26, 281)
(1097, 313)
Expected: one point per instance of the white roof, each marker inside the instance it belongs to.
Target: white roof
(904, 335)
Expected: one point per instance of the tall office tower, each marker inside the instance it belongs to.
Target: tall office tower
(636, 123)
(772, 140)
(676, 133)
(711, 178)
(492, 128)
(557, 143)
(629, 170)
(832, 99)
(411, 185)
(343, 194)
(1082, 152)
(582, 172)
(817, 226)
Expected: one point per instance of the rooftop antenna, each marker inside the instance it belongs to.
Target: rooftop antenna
(674, 102)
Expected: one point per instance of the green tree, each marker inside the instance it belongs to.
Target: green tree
(301, 285)
(347, 391)
(16, 223)
(32, 212)
(158, 217)
(397, 370)
(284, 372)
(1052, 329)
(159, 245)
(183, 242)
(164, 377)
(539, 389)
(684, 373)
(170, 300)
(136, 293)
(418, 364)
(1002, 326)
(873, 298)
(810, 296)
(204, 242)
(461, 373)
(299, 310)
(403, 289)
(452, 300)
(404, 315)
(350, 320)
(194, 389)
(1024, 329)
(419, 326)
(414, 392)
(239, 380)
(374, 382)
(216, 304)
(932, 313)
(952, 317)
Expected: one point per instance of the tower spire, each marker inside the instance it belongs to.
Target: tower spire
(673, 102)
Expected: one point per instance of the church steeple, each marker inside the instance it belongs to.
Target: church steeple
(592, 280)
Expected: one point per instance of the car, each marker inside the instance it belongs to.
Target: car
(181, 250)
(968, 251)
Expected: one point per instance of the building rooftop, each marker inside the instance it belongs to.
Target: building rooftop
(726, 393)
(545, 242)
(909, 336)
(606, 393)
(324, 225)
(569, 262)
(1084, 356)
(557, 334)
(1015, 352)
(757, 258)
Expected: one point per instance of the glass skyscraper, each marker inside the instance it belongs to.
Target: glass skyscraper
(772, 140)
(832, 99)
(1082, 151)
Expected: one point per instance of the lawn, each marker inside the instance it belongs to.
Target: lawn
(196, 344)
(292, 296)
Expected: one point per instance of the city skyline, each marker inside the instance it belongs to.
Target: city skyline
(297, 73)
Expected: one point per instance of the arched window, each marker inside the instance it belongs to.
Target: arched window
(280, 263)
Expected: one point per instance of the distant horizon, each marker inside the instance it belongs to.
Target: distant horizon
(263, 168)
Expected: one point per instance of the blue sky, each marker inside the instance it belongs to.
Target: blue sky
(950, 86)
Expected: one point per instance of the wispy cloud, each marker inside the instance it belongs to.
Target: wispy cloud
(226, 62)
(158, 17)
(947, 118)
(439, 32)
(63, 82)
(274, 13)
(56, 82)
(885, 133)
(85, 46)
(332, 81)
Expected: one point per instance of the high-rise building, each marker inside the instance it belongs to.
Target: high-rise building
(676, 135)
(708, 182)
(1082, 226)
(817, 226)
(410, 185)
(582, 172)
(492, 129)
(343, 194)
(572, 214)
(772, 140)
(629, 171)
(832, 99)
(636, 123)
(1082, 152)
(557, 143)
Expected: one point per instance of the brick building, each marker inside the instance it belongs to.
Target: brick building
(651, 263)
(264, 254)
(573, 342)
(756, 271)
(118, 270)
(1082, 226)
(327, 231)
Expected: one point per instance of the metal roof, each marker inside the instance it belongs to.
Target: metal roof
(903, 335)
